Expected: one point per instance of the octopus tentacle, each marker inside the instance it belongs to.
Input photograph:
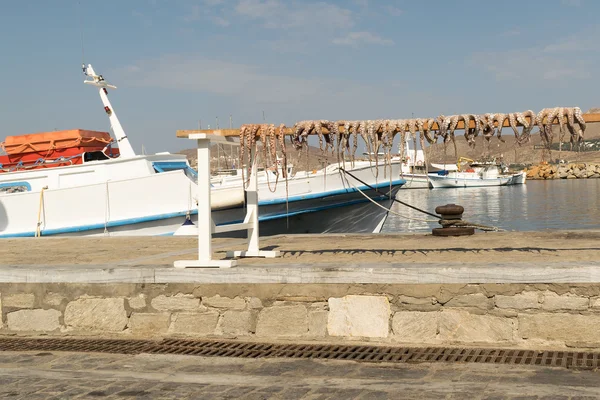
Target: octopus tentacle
(427, 130)
(281, 137)
(500, 118)
(581, 122)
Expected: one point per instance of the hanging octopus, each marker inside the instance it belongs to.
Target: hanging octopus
(500, 118)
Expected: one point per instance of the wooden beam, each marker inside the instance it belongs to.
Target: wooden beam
(589, 118)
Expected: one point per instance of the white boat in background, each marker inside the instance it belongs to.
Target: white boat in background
(88, 187)
(478, 174)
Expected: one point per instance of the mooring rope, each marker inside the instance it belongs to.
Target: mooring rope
(446, 223)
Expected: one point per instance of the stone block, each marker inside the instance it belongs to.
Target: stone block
(560, 327)
(138, 302)
(415, 300)
(554, 302)
(179, 302)
(149, 324)
(237, 323)
(359, 316)
(254, 303)
(415, 326)
(282, 321)
(54, 299)
(317, 323)
(19, 300)
(34, 320)
(476, 300)
(522, 301)
(462, 326)
(596, 303)
(194, 324)
(98, 315)
(217, 301)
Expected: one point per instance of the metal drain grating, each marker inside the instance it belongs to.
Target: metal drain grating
(567, 359)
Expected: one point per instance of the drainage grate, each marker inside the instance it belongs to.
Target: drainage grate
(567, 359)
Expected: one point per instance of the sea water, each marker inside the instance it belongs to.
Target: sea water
(536, 206)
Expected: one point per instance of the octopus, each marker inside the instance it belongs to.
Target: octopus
(380, 134)
(500, 118)
(281, 137)
(354, 132)
(427, 130)
(580, 122)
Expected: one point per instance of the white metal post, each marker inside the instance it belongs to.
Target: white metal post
(252, 196)
(204, 214)
(205, 223)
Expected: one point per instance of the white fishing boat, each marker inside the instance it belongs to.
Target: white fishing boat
(478, 174)
(86, 183)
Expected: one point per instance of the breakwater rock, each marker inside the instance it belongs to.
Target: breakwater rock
(564, 171)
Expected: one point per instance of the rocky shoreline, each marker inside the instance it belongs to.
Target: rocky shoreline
(563, 171)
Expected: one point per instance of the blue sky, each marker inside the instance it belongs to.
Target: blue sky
(179, 61)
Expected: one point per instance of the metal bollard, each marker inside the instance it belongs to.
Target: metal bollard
(452, 212)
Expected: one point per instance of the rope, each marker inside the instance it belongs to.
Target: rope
(448, 223)
(394, 199)
(107, 211)
(444, 222)
(38, 229)
(388, 209)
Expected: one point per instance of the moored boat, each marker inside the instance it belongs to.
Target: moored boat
(478, 174)
(85, 183)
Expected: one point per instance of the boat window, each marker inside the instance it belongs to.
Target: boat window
(94, 156)
(15, 187)
(166, 166)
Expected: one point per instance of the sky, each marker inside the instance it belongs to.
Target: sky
(178, 64)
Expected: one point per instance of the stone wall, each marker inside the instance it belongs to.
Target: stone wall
(556, 315)
(563, 171)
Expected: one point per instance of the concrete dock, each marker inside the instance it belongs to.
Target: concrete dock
(515, 289)
(503, 257)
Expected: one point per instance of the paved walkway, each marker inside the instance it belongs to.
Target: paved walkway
(36, 375)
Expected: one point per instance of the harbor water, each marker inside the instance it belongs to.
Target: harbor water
(536, 206)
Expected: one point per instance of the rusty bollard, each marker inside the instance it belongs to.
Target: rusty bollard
(452, 212)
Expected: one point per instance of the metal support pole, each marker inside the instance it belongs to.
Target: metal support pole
(205, 223)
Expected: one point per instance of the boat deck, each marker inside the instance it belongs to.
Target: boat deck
(550, 256)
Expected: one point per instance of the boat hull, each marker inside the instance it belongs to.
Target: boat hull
(347, 213)
(463, 180)
(158, 203)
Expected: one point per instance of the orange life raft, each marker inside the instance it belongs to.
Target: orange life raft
(51, 149)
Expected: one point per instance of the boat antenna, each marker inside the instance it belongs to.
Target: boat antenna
(81, 32)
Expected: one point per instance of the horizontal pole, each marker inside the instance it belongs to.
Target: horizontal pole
(232, 227)
(589, 118)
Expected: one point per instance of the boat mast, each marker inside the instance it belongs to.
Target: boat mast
(125, 149)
